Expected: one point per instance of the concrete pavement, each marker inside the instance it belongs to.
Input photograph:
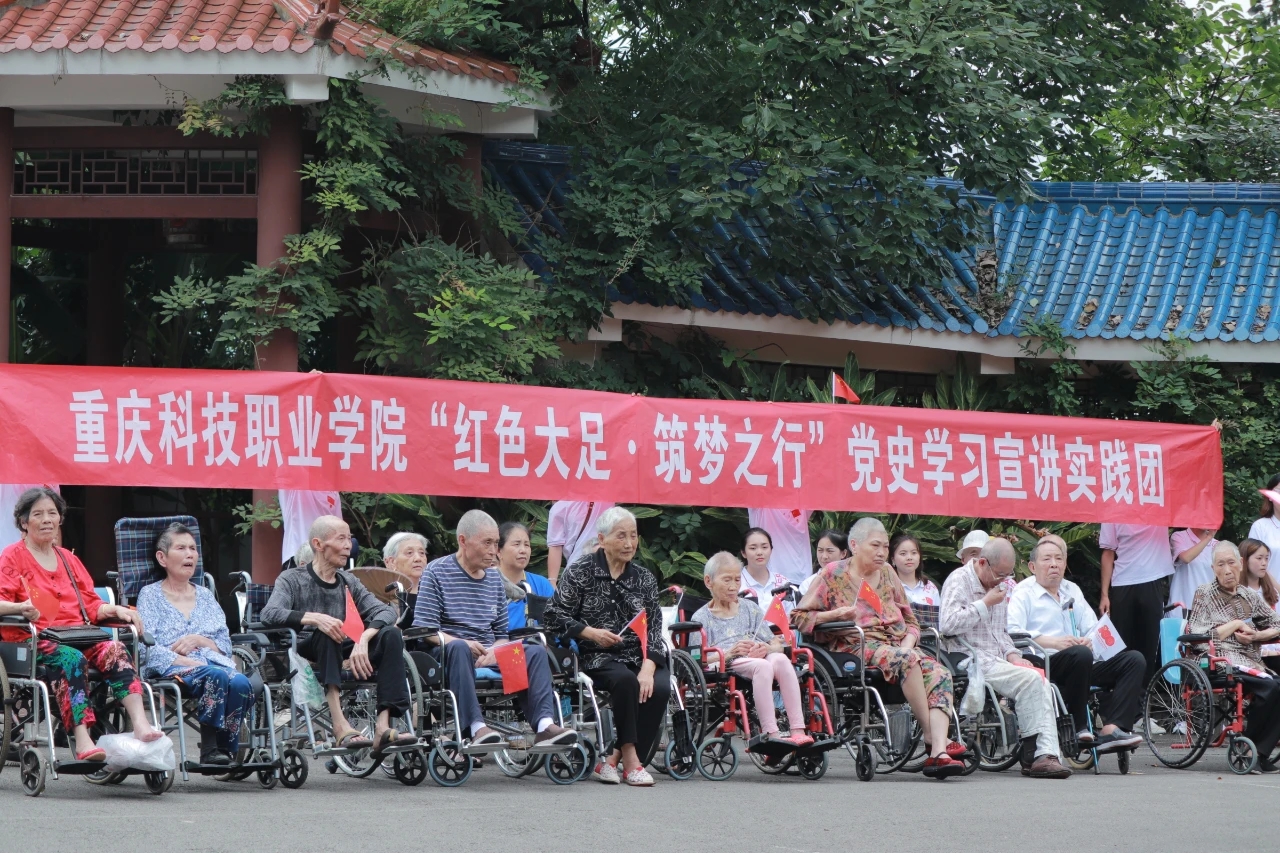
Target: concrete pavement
(1153, 809)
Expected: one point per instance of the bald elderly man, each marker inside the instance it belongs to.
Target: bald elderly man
(975, 606)
(312, 600)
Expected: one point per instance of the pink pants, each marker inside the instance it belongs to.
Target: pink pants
(763, 672)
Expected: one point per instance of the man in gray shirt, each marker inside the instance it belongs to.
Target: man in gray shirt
(312, 599)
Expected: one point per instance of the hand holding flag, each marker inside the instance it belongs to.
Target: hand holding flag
(777, 615)
(42, 601)
(513, 666)
(639, 625)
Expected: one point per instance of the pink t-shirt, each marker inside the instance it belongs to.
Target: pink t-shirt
(299, 509)
(789, 528)
(572, 524)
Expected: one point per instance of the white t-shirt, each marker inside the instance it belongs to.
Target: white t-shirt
(572, 524)
(789, 528)
(1188, 577)
(9, 494)
(763, 592)
(924, 591)
(1142, 552)
(1033, 609)
(299, 509)
(1267, 531)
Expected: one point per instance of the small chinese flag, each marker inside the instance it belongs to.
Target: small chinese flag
(640, 627)
(840, 390)
(867, 594)
(778, 616)
(352, 624)
(512, 665)
(45, 602)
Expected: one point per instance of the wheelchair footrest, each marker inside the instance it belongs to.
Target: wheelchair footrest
(819, 746)
(776, 749)
(219, 769)
(84, 768)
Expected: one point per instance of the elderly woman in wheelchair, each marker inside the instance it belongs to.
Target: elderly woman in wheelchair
(193, 646)
(50, 588)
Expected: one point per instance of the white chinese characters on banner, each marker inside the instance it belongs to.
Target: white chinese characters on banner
(1111, 471)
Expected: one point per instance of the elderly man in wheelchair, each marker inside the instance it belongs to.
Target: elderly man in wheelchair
(463, 603)
(314, 600)
(1232, 622)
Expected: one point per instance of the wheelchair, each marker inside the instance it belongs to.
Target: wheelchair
(30, 730)
(300, 730)
(1195, 702)
(259, 753)
(729, 709)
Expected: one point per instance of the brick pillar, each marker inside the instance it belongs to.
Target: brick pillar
(279, 215)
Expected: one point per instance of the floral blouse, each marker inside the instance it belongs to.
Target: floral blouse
(18, 565)
(167, 624)
(838, 586)
(587, 595)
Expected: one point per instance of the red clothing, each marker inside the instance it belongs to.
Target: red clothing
(16, 563)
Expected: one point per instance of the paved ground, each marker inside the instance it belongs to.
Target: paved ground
(1153, 809)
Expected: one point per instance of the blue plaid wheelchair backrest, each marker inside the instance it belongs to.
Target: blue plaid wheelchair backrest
(926, 614)
(136, 552)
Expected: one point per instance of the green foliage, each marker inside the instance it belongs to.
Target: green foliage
(958, 391)
(1049, 388)
(863, 384)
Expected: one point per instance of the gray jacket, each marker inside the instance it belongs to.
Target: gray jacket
(299, 591)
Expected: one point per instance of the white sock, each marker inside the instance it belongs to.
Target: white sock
(476, 727)
(544, 723)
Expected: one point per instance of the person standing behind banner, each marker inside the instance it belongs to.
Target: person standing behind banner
(789, 532)
(1267, 528)
(1136, 565)
(570, 526)
(1193, 564)
(759, 580)
(832, 547)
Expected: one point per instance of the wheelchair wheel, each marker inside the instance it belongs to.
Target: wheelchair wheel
(565, 768)
(1242, 756)
(32, 769)
(686, 676)
(1179, 701)
(678, 767)
(6, 718)
(268, 779)
(410, 767)
(448, 766)
(1122, 760)
(997, 740)
(864, 764)
(717, 759)
(158, 782)
(293, 768)
(813, 767)
(891, 756)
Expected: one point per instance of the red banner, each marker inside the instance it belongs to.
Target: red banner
(267, 430)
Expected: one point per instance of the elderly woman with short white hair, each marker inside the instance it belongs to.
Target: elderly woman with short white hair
(406, 554)
(737, 628)
(596, 598)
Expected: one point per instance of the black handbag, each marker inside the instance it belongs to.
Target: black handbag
(76, 636)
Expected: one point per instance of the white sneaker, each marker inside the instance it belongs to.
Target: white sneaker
(639, 778)
(607, 773)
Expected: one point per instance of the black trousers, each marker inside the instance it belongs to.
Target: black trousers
(1262, 725)
(636, 722)
(386, 653)
(1074, 671)
(1136, 611)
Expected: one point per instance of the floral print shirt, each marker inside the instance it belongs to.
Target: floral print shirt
(838, 586)
(167, 624)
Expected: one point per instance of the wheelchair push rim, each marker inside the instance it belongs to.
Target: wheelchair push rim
(1178, 714)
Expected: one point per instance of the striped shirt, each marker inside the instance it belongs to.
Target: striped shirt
(460, 605)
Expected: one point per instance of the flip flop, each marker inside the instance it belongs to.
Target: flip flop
(95, 754)
(354, 740)
(384, 741)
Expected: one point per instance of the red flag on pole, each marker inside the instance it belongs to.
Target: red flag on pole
(777, 615)
(513, 666)
(352, 624)
(640, 627)
(840, 390)
(867, 594)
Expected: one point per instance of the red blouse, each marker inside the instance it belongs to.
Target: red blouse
(17, 563)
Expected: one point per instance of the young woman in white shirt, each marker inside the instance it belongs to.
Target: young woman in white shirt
(1256, 556)
(904, 553)
(1267, 528)
(759, 579)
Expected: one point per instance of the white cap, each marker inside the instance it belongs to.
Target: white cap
(973, 539)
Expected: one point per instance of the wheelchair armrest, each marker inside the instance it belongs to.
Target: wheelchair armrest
(529, 631)
(420, 632)
(1194, 638)
(251, 639)
(144, 637)
(14, 619)
(393, 587)
(685, 627)
(835, 626)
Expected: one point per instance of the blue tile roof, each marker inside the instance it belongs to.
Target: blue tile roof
(1105, 260)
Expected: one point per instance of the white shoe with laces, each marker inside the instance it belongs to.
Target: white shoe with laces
(606, 773)
(638, 778)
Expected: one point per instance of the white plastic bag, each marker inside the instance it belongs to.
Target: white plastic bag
(975, 696)
(306, 687)
(125, 752)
